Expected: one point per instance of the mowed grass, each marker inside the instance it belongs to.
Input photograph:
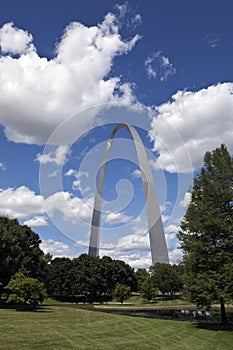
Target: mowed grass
(159, 301)
(72, 328)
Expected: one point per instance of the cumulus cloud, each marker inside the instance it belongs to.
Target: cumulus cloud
(186, 200)
(23, 203)
(134, 248)
(2, 166)
(14, 40)
(36, 221)
(159, 66)
(56, 248)
(38, 94)
(74, 209)
(58, 156)
(20, 203)
(137, 173)
(191, 124)
(137, 260)
(175, 256)
(77, 176)
(170, 233)
(130, 248)
(117, 218)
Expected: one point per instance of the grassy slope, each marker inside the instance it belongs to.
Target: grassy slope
(70, 328)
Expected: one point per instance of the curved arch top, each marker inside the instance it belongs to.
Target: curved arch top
(155, 227)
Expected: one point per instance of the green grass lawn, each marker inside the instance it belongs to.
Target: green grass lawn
(159, 301)
(57, 328)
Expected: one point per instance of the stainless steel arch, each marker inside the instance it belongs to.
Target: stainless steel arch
(156, 233)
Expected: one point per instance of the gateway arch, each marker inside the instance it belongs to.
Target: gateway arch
(158, 245)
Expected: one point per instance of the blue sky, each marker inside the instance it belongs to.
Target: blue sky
(69, 72)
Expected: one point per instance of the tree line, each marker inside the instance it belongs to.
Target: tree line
(85, 278)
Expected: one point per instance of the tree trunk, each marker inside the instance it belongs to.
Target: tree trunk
(224, 319)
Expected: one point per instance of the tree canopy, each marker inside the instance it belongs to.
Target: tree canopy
(207, 232)
(26, 290)
(88, 276)
(148, 291)
(167, 278)
(19, 251)
(141, 275)
(121, 292)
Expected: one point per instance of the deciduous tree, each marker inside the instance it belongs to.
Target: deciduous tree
(167, 278)
(19, 251)
(148, 291)
(25, 290)
(141, 276)
(121, 292)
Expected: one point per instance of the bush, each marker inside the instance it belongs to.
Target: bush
(25, 290)
(121, 292)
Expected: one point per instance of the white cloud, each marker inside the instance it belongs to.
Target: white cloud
(54, 173)
(2, 166)
(212, 41)
(127, 16)
(20, 203)
(14, 40)
(136, 20)
(137, 220)
(159, 66)
(175, 256)
(38, 94)
(136, 173)
(36, 221)
(74, 209)
(130, 245)
(137, 260)
(171, 229)
(149, 67)
(170, 234)
(58, 156)
(56, 248)
(191, 124)
(77, 182)
(117, 218)
(185, 202)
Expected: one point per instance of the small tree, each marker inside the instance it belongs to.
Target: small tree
(148, 292)
(141, 276)
(121, 292)
(26, 290)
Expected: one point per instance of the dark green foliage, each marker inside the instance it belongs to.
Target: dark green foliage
(121, 292)
(124, 274)
(167, 278)
(141, 276)
(25, 290)
(87, 279)
(88, 276)
(19, 251)
(207, 232)
(59, 277)
(148, 292)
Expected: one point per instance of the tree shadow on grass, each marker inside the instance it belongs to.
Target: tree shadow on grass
(215, 326)
(24, 308)
(43, 309)
(30, 308)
